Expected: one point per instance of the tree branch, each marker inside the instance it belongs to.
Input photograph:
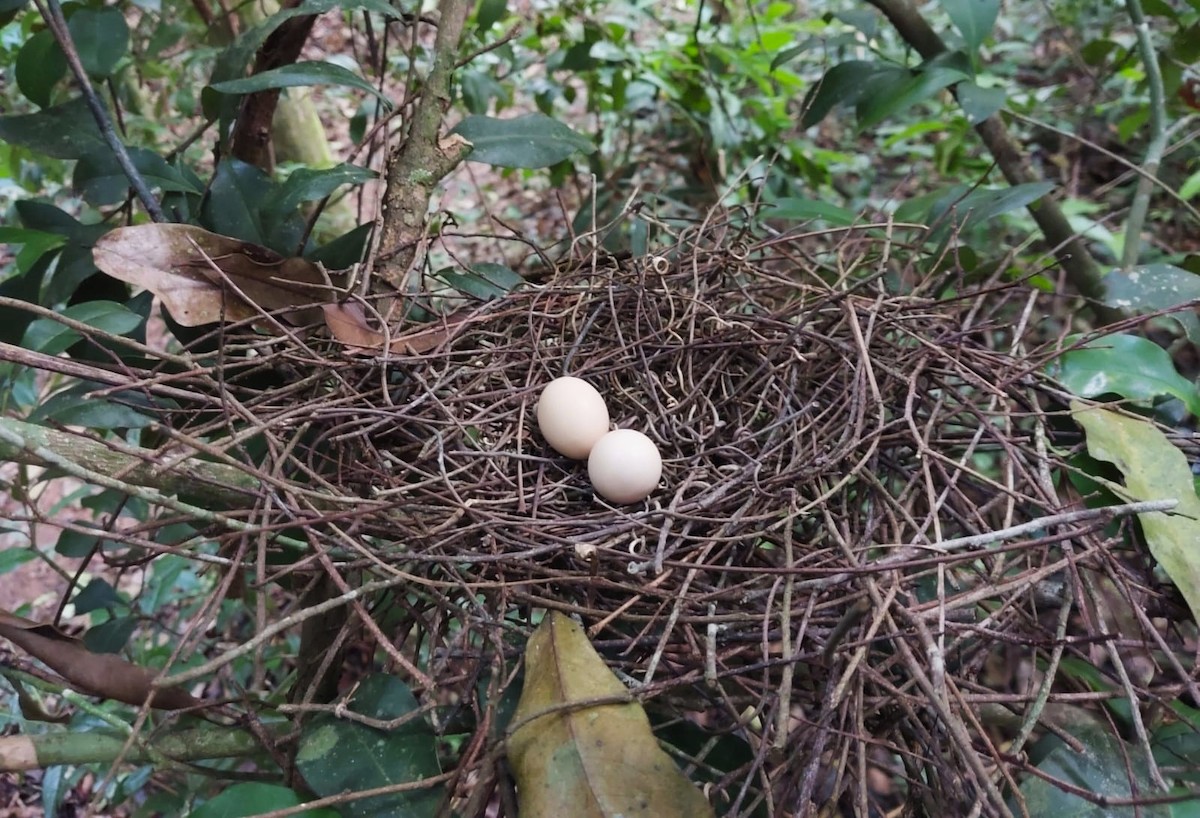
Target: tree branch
(52, 14)
(31, 752)
(1082, 271)
(422, 160)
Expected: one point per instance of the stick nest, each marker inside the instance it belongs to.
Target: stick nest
(817, 575)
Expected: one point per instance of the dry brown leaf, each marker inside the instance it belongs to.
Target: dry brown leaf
(96, 674)
(588, 760)
(348, 324)
(204, 277)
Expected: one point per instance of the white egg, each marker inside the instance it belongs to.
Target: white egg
(572, 416)
(624, 466)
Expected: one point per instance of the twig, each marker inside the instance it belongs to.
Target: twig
(52, 14)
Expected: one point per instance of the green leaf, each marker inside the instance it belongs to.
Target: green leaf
(484, 281)
(95, 595)
(802, 210)
(975, 19)
(530, 141)
(344, 251)
(979, 103)
(1103, 768)
(235, 200)
(963, 212)
(100, 179)
(76, 409)
(1127, 365)
(301, 73)
(10, 558)
(898, 92)
(101, 38)
(39, 67)
(1154, 469)
(110, 636)
(34, 244)
(253, 798)
(75, 544)
(309, 185)
(489, 13)
(65, 131)
(844, 84)
(337, 756)
(52, 338)
(1156, 287)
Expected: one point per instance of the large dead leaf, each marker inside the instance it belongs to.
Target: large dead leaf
(204, 277)
(588, 760)
(348, 323)
(1154, 469)
(96, 674)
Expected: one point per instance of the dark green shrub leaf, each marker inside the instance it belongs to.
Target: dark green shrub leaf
(301, 73)
(530, 141)
(338, 756)
(76, 409)
(802, 210)
(95, 595)
(253, 798)
(101, 38)
(979, 103)
(1156, 287)
(484, 281)
(39, 67)
(76, 544)
(110, 636)
(975, 19)
(898, 92)
(956, 211)
(65, 131)
(344, 251)
(1127, 365)
(34, 243)
(309, 185)
(100, 180)
(844, 84)
(236, 199)
(489, 13)
(52, 338)
(1103, 768)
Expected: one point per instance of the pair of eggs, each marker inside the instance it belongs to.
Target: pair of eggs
(623, 465)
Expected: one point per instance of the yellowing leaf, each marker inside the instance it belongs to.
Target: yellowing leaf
(588, 760)
(1154, 469)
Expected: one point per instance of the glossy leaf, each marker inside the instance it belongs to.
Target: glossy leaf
(299, 74)
(974, 19)
(844, 84)
(1156, 287)
(1153, 469)
(802, 210)
(588, 760)
(236, 198)
(33, 243)
(309, 184)
(336, 755)
(100, 179)
(65, 131)
(979, 103)
(95, 595)
(1103, 769)
(253, 798)
(110, 636)
(1127, 365)
(71, 408)
(484, 281)
(530, 141)
(101, 37)
(39, 67)
(898, 92)
(960, 212)
(53, 337)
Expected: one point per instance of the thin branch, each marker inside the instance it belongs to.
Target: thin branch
(1158, 137)
(52, 14)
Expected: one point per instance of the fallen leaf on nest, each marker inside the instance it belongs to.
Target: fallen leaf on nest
(588, 760)
(348, 323)
(97, 674)
(204, 277)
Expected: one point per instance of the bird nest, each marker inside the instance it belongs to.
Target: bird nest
(840, 572)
